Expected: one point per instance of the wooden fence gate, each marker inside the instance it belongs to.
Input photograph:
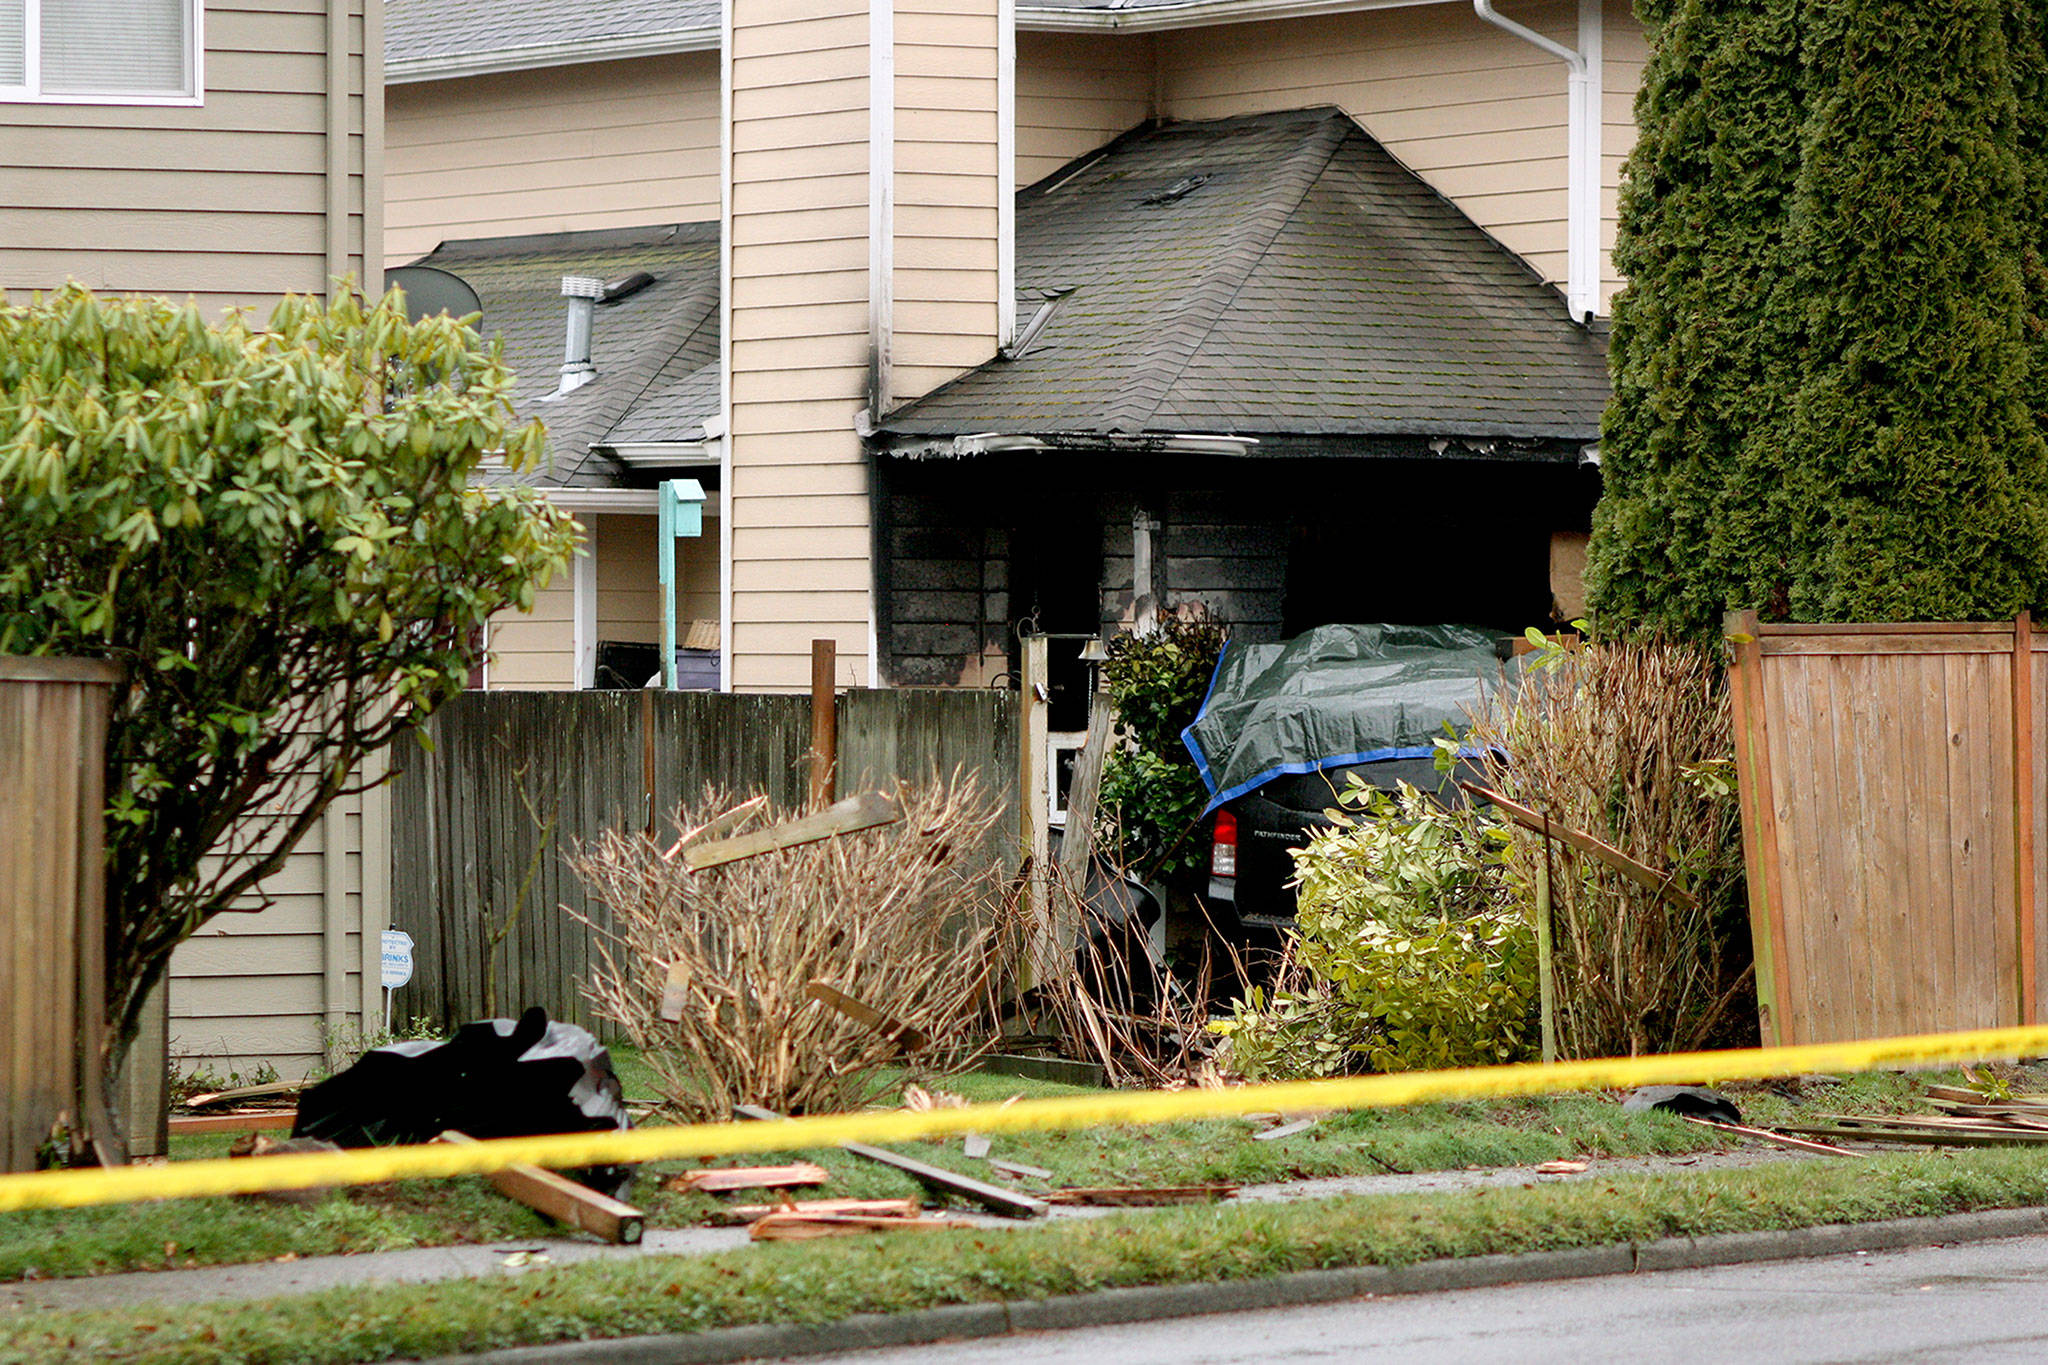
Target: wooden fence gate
(481, 820)
(1891, 782)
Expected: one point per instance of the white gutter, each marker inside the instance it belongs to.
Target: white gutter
(601, 499)
(1151, 18)
(661, 454)
(1582, 212)
(401, 70)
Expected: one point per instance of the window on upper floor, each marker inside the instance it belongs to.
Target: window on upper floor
(100, 51)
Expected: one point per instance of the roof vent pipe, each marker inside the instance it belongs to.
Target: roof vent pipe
(1582, 215)
(583, 293)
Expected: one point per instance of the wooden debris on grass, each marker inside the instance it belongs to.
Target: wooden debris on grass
(240, 1094)
(1285, 1130)
(1967, 1118)
(873, 1208)
(797, 1226)
(236, 1121)
(1018, 1170)
(1134, 1196)
(1561, 1167)
(1768, 1135)
(716, 1179)
(918, 1100)
(563, 1200)
(946, 1183)
(975, 1145)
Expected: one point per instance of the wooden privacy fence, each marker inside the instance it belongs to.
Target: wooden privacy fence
(1892, 781)
(481, 821)
(53, 729)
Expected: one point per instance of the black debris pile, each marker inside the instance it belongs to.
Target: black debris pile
(494, 1078)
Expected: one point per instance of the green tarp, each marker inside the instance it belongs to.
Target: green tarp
(1336, 696)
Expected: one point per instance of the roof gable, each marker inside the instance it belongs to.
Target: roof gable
(1273, 274)
(656, 350)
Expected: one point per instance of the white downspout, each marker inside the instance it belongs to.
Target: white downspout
(1582, 213)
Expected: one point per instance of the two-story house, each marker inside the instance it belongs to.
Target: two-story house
(231, 151)
(1059, 310)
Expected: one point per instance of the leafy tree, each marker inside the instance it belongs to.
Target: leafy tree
(274, 531)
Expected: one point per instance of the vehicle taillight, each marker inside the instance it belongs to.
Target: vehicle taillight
(1223, 850)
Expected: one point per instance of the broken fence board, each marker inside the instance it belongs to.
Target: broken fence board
(266, 1121)
(1133, 1197)
(991, 1197)
(675, 992)
(1607, 853)
(563, 1200)
(850, 816)
(798, 1227)
(907, 1038)
(719, 825)
(876, 1208)
(714, 1179)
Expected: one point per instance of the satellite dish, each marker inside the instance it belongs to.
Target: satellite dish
(429, 291)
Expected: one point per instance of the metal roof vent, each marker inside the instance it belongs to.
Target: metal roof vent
(583, 292)
(1177, 191)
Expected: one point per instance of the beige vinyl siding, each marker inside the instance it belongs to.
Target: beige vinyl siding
(1075, 92)
(1479, 114)
(798, 323)
(629, 587)
(535, 651)
(1627, 51)
(274, 986)
(227, 202)
(569, 148)
(946, 185)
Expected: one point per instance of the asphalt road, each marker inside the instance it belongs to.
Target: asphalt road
(1986, 1301)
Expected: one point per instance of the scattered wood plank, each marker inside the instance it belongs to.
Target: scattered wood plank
(1561, 1167)
(1020, 1170)
(906, 1038)
(975, 1145)
(250, 1121)
(754, 1113)
(944, 1182)
(274, 1090)
(718, 826)
(1585, 843)
(850, 816)
(675, 992)
(1136, 1196)
(1285, 1130)
(1767, 1135)
(797, 1227)
(563, 1200)
(716, 1179)
(877, 1208)
(1926, 1137)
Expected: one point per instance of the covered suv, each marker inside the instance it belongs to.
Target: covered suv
(1285, 725)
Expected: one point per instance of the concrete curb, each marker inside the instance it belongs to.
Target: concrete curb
(1110, 1307)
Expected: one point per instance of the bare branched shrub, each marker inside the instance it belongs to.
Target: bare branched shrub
(1631, 742)
(910, 919)
(1144, 1025)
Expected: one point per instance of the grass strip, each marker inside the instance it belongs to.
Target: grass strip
(822, 1282)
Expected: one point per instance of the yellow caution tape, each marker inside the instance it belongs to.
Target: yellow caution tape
(186, 1179)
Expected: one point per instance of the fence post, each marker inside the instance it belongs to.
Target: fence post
(53, 728)
(1759, 822)
(824, 722)
(2023, 809)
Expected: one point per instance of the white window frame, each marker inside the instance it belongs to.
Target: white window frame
(32, 63)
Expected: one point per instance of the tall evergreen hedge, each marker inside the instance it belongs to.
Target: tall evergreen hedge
(1829, 365)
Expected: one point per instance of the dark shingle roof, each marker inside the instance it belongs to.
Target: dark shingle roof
(656, 350)
(417, 29)
(1302, 283)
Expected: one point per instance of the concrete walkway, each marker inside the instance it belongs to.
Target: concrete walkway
(271, 1279)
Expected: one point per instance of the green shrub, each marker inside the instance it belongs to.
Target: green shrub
(1413, 948)
(1151, 794)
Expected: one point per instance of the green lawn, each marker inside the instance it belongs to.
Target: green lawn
(63, 1243)
(820, 1282)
